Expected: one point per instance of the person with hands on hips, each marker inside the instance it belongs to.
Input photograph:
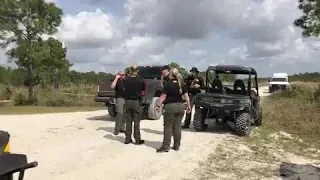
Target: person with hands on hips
(118, 86)
(171, 97)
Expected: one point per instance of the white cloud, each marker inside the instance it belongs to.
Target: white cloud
(50, 1)
(198, 52)
(247, 32)
(136, 50)
(89, 30)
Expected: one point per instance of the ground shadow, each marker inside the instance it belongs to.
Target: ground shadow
(153, 144)
(214, 128)
(120, 138)
(152, 131)
(115, 138)
(101, 118)
(107, 129)
(290, 171)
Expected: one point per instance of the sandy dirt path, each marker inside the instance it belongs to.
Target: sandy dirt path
(81, 146)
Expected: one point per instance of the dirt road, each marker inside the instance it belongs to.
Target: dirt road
(81, 146)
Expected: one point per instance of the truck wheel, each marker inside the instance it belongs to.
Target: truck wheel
(199, 120)
(243, 124)
(112, 110)
(152, 112)
(258, 121)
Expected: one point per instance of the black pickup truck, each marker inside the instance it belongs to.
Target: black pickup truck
(152, 79)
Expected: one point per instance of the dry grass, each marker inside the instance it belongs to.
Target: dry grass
(290, 133)
(299, 118)
(313, 85)
(14, 110)
(81, 95)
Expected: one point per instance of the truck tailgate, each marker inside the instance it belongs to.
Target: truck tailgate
(104, 89)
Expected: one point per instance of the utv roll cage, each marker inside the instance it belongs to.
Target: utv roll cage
(233, 69)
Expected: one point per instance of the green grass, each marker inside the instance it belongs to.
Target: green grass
(16, 110)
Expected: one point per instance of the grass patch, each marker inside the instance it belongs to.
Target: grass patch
(16, 110)
(73, 95)
(234, 160)
(295, 112)
(291, 128)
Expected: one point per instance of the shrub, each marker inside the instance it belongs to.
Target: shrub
(6, 92)
(20, 99)
(301, 92)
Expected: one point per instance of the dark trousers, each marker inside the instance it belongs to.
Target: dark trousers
(172, 118)
(132, 114)
(120, 121)
(187, 121)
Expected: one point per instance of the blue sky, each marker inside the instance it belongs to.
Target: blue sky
(110, 35)
(75, 6)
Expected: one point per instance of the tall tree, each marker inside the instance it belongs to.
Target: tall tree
(181, 69)
(23, 23)
(53, 65)
(310, 19)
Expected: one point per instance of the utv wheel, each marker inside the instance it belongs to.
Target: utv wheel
(258, 121)
(243, 124)
(112, 110)
(198, 120)
(152, 112)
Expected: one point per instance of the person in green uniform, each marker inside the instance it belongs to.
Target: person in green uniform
(133, 90)
(174, 107)
(195, 84)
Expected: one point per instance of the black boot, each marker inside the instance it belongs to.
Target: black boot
(162, 149)
(185, 126)
(176, 148)
(139, 142)
(116, 133)
(122, 131)
(128, 141)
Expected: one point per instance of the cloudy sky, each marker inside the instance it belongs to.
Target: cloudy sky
(107, 35)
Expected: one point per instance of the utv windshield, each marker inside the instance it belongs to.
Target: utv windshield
(231, 83)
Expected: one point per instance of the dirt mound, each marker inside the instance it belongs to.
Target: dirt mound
(289, 171)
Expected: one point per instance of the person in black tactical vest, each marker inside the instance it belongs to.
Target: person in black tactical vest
(134, 86)
(174, 106)
(195, 84)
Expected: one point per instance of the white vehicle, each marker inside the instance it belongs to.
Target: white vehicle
(279, 81)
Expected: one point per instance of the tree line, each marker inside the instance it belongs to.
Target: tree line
(41, 61)
(19, 77)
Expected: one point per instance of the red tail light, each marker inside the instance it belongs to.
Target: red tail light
(144, 92)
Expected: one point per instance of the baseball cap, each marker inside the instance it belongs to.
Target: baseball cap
(194, 69)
